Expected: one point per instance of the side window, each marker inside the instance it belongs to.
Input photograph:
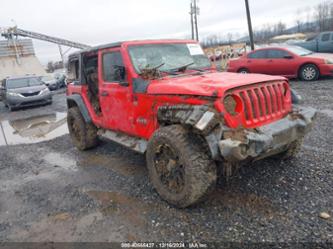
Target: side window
(261, 54)
(113, 67)
(73, 70)
(276, 53)
(325, 37)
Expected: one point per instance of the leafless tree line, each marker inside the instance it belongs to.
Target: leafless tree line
(307, 20)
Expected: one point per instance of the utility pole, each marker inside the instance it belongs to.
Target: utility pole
(192, 25)
(196, 19)
(249, 23)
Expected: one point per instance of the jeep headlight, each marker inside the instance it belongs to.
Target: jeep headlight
(329, 61)
(13, 94)
(233, 104)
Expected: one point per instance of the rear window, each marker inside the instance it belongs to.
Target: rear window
(261, 54)
(23, 82)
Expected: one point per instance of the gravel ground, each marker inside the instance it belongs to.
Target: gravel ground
(49, 191)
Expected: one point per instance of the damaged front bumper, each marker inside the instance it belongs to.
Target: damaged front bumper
(269, 139)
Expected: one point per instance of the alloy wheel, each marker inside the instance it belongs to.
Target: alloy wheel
(309, 73)
(169, 169)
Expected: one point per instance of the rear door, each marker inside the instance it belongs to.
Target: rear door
(257, 62)
(115, 92)
(280, 62)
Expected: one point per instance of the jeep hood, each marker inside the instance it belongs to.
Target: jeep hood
(208, 84)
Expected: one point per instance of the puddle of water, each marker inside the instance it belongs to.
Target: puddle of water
(61, 161)
(33, 130)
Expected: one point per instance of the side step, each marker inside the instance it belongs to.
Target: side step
(134, 143)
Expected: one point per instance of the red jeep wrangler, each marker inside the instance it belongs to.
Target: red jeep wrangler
(164, 99)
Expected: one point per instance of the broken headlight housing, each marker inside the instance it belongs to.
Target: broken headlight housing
(233, 104)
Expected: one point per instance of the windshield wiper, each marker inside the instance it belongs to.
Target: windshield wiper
(151, 73)
(151, 68)
(181, 68)
(198, 69)
(185, 67)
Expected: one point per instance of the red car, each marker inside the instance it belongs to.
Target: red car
(289, 61)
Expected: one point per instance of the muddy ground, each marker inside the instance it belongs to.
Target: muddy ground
(49, 191)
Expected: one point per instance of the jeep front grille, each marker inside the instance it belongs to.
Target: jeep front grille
(264, 102)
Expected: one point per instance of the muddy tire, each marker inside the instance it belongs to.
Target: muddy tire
(309, 72)
(291, 152)
(179, 167)
(84, 135)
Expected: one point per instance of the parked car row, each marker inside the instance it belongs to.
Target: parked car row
(54, 81)
(24, 91)
(288, 61)
(30, 90)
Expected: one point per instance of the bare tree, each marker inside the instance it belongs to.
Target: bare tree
(322, 12)
(308, 26)
(330, 21)
(299, 21)
(230, 37)
(50, 67)
(279, 28)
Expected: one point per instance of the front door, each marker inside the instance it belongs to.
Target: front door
(115, 93)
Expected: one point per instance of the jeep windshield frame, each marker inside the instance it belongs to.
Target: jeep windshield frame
(171, 55)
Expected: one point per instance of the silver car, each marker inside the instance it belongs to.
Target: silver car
(24, 91)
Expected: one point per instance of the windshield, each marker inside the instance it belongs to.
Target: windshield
(47, 78)
(23, 82)
(299, 51)
(168, 56)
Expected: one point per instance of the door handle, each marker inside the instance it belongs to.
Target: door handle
(104, 94)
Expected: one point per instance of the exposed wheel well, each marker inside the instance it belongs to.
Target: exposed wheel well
(71, 103)
(243, 69)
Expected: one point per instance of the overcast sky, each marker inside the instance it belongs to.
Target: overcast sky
(96, 22)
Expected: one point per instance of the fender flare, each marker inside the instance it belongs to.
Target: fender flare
(76, 100)
(203, 120)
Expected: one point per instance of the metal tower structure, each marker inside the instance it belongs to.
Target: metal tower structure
(11, 33)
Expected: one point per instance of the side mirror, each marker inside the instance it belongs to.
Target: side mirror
(289, 57)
